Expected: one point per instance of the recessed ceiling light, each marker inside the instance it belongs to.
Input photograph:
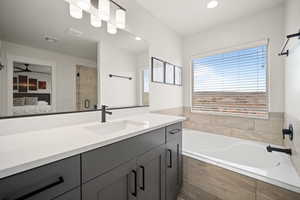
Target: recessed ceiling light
(138, 38)
(75, 11)
(84, 4)
(212, 4)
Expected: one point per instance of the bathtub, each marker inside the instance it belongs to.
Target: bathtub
(242, 156)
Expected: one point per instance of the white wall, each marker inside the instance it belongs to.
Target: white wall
(292, 80)
(65, 71)
(263, 25)
(117, 92)
(292, 68)
(163, 43)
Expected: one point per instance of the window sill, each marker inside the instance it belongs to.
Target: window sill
(250, 116)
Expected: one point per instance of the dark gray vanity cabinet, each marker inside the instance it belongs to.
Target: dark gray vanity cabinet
(173, 161)
(151, 175)
(47, 182)
(104, 159)
(130, 169)
(117, 184)
(141, 178)
(145, 167)
(71, 195)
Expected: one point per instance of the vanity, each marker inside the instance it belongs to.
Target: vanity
(145, 166)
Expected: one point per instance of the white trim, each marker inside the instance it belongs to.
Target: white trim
(2, 81)
(232, 48)
(99, 78)
(10, 60)
(225, 114)
(140, 85)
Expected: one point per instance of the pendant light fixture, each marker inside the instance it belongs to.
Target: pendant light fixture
(96, 21)
(84, 4)
(103, 12)
(120, 18)
(75, 11)
(111, 28)
(104, 9)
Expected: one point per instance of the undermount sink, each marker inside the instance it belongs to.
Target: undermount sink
(117, 126)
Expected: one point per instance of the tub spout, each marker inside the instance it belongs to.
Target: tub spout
(287, 151)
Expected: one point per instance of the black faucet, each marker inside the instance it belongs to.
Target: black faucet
(287, 151)
(104, 112)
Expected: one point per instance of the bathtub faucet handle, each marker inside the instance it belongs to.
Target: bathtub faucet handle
(289, 132)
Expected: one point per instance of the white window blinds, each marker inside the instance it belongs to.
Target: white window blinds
(234, 82)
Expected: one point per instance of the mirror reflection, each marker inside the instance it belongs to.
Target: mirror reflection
(124, 71)
(51, 67)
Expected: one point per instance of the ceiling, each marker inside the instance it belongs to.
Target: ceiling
(27, 22)
(188, 17)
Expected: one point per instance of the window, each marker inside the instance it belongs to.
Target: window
(158, 68)
(169, 73)
(166, 73)
(234, 83)
(178, 75)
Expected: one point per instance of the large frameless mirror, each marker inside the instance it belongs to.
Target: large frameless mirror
(54, 63)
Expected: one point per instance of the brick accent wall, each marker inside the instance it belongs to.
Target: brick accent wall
(237, 103)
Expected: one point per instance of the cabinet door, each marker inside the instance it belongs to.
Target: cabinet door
(151, 175)
(173, 168)
(118, 184)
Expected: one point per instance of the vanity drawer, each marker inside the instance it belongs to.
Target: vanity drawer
(72, 195)
(173, 131)
(101, 160)
(45, 182)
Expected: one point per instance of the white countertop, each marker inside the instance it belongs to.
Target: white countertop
(24, 151)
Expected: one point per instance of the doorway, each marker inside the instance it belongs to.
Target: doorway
(86, 88)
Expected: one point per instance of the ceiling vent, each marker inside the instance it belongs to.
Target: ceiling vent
(73, 32)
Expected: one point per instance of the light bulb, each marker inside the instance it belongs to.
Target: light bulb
(212, 4)
(104, 9)
(96, 21)
(75, 11)
(111, 28)
(121, 18)
(84, 4)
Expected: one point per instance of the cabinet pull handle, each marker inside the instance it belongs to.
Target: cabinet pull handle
(170, 161)
(135, 183)
(35, 192)
(143, 176)
(175, 131)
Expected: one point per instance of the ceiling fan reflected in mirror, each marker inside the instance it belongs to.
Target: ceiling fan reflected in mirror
(21, 69)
